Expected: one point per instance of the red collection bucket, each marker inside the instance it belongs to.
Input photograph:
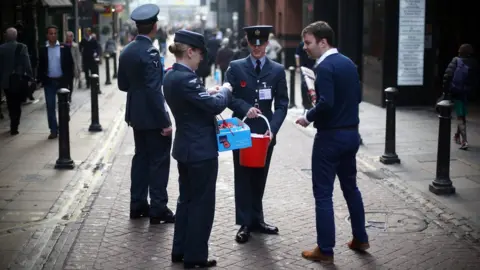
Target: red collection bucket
(256, 155)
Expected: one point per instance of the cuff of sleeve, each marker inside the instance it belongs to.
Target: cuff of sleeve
(308, 115)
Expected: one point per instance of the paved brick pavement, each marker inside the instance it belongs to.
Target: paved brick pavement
(417, 138)
(404, 234)
(35, 199)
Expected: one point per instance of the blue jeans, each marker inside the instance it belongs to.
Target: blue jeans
(51, 89)
(334, 155)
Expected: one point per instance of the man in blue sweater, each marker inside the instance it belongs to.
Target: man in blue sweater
(335, 116)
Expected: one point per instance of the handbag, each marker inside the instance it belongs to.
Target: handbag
(18, 82)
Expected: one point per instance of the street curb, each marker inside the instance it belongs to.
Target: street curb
(452, 223)
(62, 243)
(47, 232)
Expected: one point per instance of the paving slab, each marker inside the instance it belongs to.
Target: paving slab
(404, 233)
(32, 192)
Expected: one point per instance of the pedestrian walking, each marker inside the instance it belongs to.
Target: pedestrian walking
(195, 148)
(257, 83)
(77, 61)
(336, 118)
(459, 79)
(16, 76)
(55, 70)
(140, 74)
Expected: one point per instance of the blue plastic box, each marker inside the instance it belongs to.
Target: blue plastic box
(234, 138)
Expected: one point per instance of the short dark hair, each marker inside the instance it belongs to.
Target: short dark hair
(145, 29)
(320, 30)
(465, 50)
(51, 27)
(243, 42)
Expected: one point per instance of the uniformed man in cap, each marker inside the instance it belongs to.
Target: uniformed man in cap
(140, 74)
(195, 148)
(257, 83)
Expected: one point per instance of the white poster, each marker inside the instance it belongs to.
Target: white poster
(411, 42)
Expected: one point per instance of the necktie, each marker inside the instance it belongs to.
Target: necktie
(257, 67)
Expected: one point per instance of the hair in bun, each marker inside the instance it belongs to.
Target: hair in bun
(177, 49)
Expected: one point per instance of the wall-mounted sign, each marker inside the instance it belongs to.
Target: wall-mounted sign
(411, 42)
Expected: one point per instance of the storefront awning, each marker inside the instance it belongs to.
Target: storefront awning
(57, 3)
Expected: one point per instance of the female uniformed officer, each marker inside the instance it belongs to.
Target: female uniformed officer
(195, 148)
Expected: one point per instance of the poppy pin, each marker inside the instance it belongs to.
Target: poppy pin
(243, 83)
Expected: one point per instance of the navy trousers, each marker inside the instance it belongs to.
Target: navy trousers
(249, 189)
(195, 209)
(333, 155)
(150, 171)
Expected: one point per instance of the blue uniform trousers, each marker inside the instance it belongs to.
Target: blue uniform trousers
(150, 171)
(195, 209)
(333, 155)
(249, 189)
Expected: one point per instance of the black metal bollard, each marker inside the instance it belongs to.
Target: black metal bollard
(390, 156)
(107, 69)
(292, 87)
(94, 91)
(96, 65)
(64, 160)
(96, 70)
(442, 183)
(114, 57)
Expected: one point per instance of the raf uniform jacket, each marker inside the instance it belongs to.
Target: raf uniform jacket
(194, 111)
(264, 89)
(140, 74)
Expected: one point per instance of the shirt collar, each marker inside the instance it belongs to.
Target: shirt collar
(189, 68)
(56, 44)
(325, 55)
(254, 60)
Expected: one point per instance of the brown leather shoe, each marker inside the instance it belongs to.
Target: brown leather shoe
(317, 256)
(358, 246)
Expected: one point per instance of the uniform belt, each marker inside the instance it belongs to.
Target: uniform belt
(352, 127)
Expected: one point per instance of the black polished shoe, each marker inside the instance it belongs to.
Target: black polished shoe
(207, 264)
(140, 213)
(167, 217)
(177, 258)
(265, 228)
(243, 234)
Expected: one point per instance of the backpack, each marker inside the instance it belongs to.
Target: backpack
(458, 84)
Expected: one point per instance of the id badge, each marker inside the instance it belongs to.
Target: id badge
(265, 94)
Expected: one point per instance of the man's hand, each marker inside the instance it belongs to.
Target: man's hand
(167, 131)
(253, 112)
(302, 121)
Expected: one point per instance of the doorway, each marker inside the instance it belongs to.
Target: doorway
(457, 23)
